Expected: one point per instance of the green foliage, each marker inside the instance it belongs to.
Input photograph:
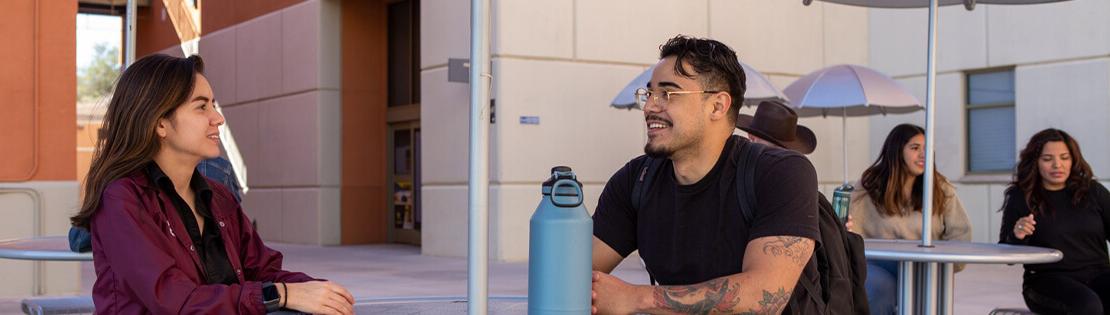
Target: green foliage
(96, 80)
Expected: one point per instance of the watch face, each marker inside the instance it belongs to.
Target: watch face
(270, 293)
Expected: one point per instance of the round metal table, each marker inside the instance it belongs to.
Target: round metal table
(440, 305)
(45, 248)
(433, 305)
(918, 267)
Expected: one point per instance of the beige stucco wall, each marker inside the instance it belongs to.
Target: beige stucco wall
(563, 61)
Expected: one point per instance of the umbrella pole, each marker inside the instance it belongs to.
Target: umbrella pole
(478, 207)
(930, 121)
(930, 305)
(844, 138)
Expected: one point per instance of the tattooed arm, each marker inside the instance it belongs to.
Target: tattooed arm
(772, 266)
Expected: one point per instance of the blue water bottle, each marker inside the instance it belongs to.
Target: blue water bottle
(560, 249)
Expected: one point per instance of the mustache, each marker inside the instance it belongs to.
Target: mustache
(652, 117)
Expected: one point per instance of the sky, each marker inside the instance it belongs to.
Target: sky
(93, 29)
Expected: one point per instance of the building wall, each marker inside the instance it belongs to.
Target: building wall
(38, 188)
(277, 78)
(563, 61)
(156, 31)
(1062, 80)
(303, 85)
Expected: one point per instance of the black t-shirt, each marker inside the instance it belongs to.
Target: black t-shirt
(689, 234)
(1079, 232)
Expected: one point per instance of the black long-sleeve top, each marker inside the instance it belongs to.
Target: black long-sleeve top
(1080, 232)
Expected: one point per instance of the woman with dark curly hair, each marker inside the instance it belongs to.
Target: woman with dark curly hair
(165, 240)
(1055, 202)
(889, 207)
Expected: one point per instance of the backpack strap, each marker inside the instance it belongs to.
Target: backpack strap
(745, 177)
(640, 187)
(644, 180)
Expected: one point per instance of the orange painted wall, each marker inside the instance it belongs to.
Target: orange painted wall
(38, 83)
(156, 31)
(363, 190)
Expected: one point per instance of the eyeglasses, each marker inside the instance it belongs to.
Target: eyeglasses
(662, 97)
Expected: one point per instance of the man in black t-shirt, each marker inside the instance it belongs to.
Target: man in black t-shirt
(688, 228)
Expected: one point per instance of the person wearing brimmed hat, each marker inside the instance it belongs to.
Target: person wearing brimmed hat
(776, 124)
(691, 236)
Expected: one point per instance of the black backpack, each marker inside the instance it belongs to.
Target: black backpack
(839, 256)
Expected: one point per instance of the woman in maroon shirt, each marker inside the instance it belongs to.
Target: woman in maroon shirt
(166, 240)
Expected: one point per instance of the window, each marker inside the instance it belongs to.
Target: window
(404, 52)
(990, 121)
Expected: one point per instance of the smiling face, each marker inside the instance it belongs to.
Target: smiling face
(1054, 165)
(679, 123)
(913, 154)
(192, 132)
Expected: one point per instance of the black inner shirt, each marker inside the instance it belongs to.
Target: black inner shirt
(215, 267)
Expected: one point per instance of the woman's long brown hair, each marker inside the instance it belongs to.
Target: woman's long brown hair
(1027, 174)
(150, 89)
(884, 179)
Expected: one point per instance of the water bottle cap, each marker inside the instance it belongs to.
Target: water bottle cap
(559, 173)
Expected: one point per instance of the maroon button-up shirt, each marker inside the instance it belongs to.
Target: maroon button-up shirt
(146, 263)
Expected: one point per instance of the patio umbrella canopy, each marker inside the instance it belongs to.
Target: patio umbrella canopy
(849, 90)
(759, 89)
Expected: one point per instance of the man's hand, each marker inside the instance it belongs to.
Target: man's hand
(613, 296)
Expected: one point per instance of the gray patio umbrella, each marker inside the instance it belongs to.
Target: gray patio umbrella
(849, 90)
(759, 89)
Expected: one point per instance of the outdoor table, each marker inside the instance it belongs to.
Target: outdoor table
(914, 260)
(44, 248)
(433, 305)
(440, 305)
(48, 248)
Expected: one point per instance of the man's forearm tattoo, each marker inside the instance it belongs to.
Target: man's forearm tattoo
(772, 303)
(716, 296)
(719, 295)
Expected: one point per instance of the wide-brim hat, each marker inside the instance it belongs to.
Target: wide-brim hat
(778, 124)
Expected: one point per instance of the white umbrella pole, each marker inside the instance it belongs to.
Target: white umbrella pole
(844, 138)
(129, 38)
(930, 294)
(930, 121)
(478, 207)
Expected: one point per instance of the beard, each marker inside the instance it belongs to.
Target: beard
(657, 152)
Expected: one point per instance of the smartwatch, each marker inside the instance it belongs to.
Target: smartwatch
(270, 297)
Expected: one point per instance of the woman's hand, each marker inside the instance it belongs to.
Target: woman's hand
(1024, 227)
(319, 297)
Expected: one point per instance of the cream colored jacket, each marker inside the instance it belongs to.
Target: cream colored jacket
(868, 222)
